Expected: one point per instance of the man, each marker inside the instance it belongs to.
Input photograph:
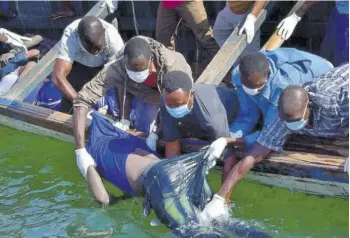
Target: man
(194, 14)
(86, 46)
(201, 110)
(319, 108)
(262, 76)
(232, 15)
(335, 45)
(175, 189)
(138, 74)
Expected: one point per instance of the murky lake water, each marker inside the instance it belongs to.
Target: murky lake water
(43, 195)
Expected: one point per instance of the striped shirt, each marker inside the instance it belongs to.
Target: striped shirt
(329, 94)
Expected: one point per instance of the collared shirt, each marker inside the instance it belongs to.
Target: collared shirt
(70, 47)
(288, 66)
(213, 108)
(329, 94)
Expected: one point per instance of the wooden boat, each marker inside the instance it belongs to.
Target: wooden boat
(309, 165)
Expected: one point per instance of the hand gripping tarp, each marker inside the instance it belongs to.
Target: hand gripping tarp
(176, 189)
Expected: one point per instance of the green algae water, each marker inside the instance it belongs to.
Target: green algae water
(43, 195)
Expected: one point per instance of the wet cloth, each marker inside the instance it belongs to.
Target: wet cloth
(213, 109)
(110, 147)
(335, 45)
(71, 49)
(288, 66)
(329, 95)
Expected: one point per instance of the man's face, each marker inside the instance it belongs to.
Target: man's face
(254, 81)
(96, 48)
(137, 65)
(178, 98)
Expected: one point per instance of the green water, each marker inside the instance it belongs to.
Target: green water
(43, 195)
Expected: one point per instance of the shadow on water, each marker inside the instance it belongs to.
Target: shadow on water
(43, 195)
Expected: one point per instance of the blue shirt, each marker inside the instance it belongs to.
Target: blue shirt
(342, 7)
(288, 66)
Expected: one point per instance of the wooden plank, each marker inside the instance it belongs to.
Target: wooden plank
(304, 185)
(275, 41)
(227, 55)
(28, 82)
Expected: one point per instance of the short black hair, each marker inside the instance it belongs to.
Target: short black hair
(91, 30)
(137, 47)
(254, 62)
(175, 80)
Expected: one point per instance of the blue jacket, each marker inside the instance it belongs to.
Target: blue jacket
(288, 66)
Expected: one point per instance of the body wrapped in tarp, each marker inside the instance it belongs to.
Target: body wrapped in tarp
(176, 189)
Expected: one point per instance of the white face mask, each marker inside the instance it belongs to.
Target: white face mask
(298, 125)
(138, 77)
(251, 91)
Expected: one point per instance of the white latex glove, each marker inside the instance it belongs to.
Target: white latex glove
(109, 4)
(287, 26)
(5, 58)
(84, 160)
(16, 41)
(122, 124)
(248, 27)
(151, 141)
(215, 150)
(215, 209)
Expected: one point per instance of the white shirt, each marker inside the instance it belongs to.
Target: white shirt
(70, 47)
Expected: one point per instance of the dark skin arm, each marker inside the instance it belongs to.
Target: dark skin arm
(305, 8)
(59, 78)
(126, 109)
(79, 123)
(172, 149)
(258, 6)
(255, 155)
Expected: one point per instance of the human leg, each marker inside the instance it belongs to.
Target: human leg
(165, 26)
(145, 114)
(194, 14)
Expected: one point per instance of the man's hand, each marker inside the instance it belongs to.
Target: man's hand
(5, 58)
(287, 26)
(215, 209)
(151, 141)
(15, 41)
(84, 160)
(123, 124)
(248, 27)
(214, 152)
(109, 5)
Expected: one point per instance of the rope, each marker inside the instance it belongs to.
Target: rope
(134, 17)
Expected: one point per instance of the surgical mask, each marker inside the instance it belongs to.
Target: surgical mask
(138, 77)
(179, 112)
(298, 125)
(252, 91)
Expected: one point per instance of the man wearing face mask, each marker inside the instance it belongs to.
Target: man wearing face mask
(138, 74)
(86, 46)
(194, 110)
(318, 108)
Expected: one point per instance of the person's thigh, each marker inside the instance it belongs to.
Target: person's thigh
(7, 82)
(328, 43)
(166, 24)
(145, 114)
(223, 27)
(341, 49)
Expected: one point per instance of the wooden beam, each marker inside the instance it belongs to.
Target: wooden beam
(36, 75)
(275, 41)
(227, 55)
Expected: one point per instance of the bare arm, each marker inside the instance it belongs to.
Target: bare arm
(255, 155)
(79, 123)
(305, 8)
(126, 108)
(258, 6)
(59, 78)
(96, 186)
(172, 149)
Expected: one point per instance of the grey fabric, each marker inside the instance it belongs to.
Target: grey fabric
(213, 109)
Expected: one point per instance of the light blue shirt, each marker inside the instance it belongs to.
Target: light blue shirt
(288, 66)
(342, 7)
